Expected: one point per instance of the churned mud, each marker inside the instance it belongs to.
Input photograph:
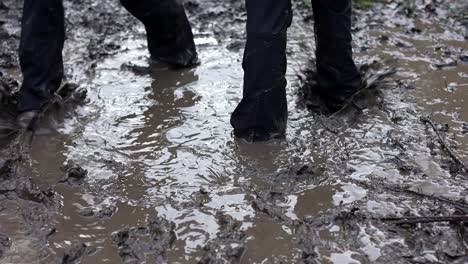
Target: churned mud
(136, 163)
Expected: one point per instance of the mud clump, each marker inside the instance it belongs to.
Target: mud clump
(6, 169)
(228, 246)
(73, 253)
(374, 75)
(266, 202)
(201, 197)
(8, 91)
(444, 247)
(154, 239)
(14, 186)
(75, 175)
(307, 231)
(106, 211)
(8, 98)
(71, 95)
(5, 244)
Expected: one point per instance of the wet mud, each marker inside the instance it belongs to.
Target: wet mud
(155, 239)
(136, 163)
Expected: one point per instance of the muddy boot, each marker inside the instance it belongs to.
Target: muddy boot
(338, 77)
(263, 112)
(183, 56)
(168, 31)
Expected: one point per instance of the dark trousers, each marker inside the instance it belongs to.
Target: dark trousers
(264, 106)
(169, 35)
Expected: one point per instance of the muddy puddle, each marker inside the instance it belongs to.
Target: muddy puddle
(147, 169)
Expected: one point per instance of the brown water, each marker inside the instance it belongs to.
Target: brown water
(152, 138)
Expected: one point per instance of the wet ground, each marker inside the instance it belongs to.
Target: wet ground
(146, 170)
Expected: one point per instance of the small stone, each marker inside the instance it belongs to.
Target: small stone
(86, 212)
(77, 173)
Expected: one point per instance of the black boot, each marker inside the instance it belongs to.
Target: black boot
(263, 112)
(338, 77)
(168, 31)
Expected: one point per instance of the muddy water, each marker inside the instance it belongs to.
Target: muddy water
(157, 141)
(159, 136)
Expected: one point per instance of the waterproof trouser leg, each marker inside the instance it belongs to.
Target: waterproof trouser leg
(169, 34)
(263, 107)
(170, 37)
(40, 52)
(338, 77)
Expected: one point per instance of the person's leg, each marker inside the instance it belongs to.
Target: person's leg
(40, 52)
(263, 111)
(338, 77)
(168, 31)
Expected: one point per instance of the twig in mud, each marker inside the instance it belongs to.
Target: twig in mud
(327, 128)
(350, 102)
(405, 189)
(447, 148)
(423, 219)
(372, 83)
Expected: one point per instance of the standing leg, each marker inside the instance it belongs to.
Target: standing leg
(338, 75)
(168, 30)
(263, 111)
(40, 52)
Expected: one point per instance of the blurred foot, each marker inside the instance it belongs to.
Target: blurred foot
(326, 104)
(27, 120)
(185, 59)
(343, 99)
(2, 94)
